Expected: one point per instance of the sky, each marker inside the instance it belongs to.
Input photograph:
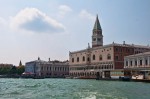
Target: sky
(51, 28)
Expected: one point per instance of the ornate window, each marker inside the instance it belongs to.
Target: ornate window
(108, 56)
(140, 62)
(93, 57)
(146, 62)
(130, 63)
(88, 59)
(126, 63)
(100, 57)
(77, 59)
(135, 62)
(72, 60)
(83, 58)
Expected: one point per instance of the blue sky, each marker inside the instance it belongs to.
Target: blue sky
(52, 28)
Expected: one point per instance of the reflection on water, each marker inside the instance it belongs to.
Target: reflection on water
(72, 89)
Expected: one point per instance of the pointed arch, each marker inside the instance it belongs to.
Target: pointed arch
(108, 56)
(88, 59)
(93, 57)
(83, 58)
(77, 59)
(100, 57)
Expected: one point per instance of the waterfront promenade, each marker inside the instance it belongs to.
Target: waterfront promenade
(72, 89)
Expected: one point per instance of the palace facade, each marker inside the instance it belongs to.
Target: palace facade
(49, 68)
(101, 59)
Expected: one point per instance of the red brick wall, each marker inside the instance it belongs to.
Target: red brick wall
(121, 51)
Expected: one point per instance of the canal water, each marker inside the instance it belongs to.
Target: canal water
(72, 89)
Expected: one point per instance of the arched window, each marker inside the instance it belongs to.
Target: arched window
(83, 58)
(72, 60)
(77, 59)
(126, 63)
(140, 62)
(100, 57)
(108, 56)
(93, 57)
(88, 59)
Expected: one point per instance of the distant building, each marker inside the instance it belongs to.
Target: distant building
(137, 64)
(6, 66)
(100, 58)
(47, 68)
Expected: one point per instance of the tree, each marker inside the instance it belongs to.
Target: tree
(13, 70)
(20, 69)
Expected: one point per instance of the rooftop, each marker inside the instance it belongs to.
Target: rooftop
(140, 54)
(114, 44)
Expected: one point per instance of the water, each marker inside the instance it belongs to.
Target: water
(72, 89)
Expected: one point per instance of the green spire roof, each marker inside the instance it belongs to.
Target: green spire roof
(97, 25)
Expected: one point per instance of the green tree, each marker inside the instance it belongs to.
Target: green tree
(4, 70)
(20, 69)
(13, 70)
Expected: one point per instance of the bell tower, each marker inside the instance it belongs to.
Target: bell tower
(97, 37)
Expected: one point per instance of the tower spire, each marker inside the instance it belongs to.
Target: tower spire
(97, 37)
(20, 63)
(97, 25)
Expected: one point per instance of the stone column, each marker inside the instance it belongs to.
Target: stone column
(143, 62)
(133, 62)
(125, 63)
(137, 62)
(129, 62)
(148, 60)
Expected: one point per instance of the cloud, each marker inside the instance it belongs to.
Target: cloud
(2, 22)
(64, 9)
(86, 15)
(33, 20)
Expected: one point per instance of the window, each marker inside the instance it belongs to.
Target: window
(120, 49)
(77, 59)
(140, 62)
(72, 60)
(99, 39)
(108, 56)
(117, 57)
(93, 57)
(136, 63)
(128, 50)
(100, 57)
(131, 63)
(146, 62)
(88, 59)
(126, 63)
(94, 39)
(116, 49)
(83, 58)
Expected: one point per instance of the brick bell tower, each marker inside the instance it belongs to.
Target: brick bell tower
(97, 37)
